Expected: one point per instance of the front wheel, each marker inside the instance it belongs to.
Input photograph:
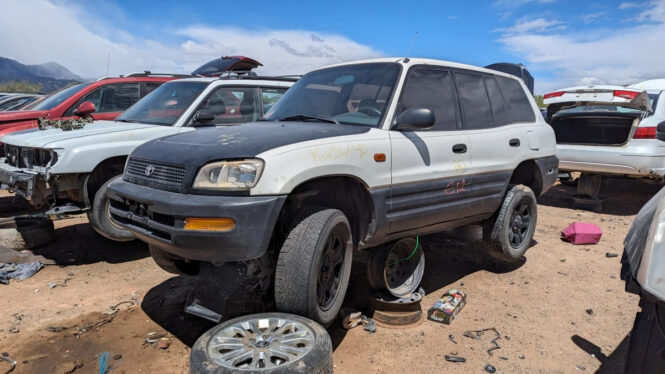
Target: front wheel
(509, 232)
(314, 266)
(100, 216)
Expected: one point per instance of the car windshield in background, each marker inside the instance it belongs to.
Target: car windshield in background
(653, 99)
(350, 94)
(58, 97)
(164, 105)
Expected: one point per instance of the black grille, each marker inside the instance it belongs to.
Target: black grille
(154, 173)
(27, 157)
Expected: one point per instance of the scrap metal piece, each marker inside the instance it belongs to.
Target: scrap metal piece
(455, 359)
(11, 362)
(352, 320)
(476, 335)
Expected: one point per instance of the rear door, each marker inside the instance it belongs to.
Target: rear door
(496, 114)
(429, 167)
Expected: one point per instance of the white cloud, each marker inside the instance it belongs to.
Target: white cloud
(612, 56)
(526, 24)
(630, 5)
(55, 32)
(591, 18)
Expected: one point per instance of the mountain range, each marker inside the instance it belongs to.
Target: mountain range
(51, 75)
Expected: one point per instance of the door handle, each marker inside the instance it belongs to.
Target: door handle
(514, 142)
(459, 148)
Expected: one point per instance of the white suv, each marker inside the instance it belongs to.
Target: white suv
(608, 130)
(353, 156)
(62, 171)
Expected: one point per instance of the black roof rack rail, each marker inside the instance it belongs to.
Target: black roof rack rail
(148, 73)
(248, 74)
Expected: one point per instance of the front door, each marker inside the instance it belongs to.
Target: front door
(429, 167)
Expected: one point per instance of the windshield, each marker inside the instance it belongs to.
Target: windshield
(653, 99)
(58, 97)
(349, 94)
(164, 105)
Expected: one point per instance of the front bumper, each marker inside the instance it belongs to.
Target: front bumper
(157, 217)
(17, 180)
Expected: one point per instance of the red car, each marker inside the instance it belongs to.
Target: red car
(110, 96)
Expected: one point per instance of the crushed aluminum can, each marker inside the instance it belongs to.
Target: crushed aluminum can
(447, 307)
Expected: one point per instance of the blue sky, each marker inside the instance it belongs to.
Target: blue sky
(562, 42)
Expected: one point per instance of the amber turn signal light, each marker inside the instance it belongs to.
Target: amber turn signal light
(210, 224)
(379, 157)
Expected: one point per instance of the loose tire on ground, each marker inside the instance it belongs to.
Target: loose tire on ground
(21, 233)
(100, 217)
(243, 345)
(314, 265)
(389, 270)
(517, 216)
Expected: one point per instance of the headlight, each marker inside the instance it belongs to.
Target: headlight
(229, 175)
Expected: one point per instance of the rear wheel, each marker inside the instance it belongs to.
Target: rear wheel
(510, 231)
(100, 216)
(314, 265)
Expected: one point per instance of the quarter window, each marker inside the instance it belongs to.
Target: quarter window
(518, 103)
(476, 110)
(269, 97)
(498, 103)
(431, 88)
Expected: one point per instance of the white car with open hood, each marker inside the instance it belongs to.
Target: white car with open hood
(608, 130)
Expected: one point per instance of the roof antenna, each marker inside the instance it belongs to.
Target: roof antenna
(413, 41)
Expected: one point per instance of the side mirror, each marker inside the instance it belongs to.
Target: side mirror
(85, 109)
(203, 118)
(660, 131)
(415, 118)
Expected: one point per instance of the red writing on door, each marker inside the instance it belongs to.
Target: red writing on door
(455, 187)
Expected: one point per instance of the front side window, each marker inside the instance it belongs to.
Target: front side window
(58, 98)
(475, 104)
(110, 98)
(349, 94)
(232, 105)
(165, 104)
(431, 88)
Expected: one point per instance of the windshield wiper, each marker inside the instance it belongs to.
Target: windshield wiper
(305, 117)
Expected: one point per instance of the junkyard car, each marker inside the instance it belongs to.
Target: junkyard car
(352, 156)
(63, 171)
(17, 101)
(608, 130)
(643, 270)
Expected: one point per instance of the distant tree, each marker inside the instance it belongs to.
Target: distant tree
(539, 101)
(22, 87)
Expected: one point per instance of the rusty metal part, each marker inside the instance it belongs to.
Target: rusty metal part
(397, 318)
(477, 334)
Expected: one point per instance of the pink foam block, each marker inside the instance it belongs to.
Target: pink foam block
(582, 233)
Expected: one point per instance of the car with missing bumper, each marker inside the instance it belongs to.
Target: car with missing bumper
(608, 130)
(66, 169)
(354, 156)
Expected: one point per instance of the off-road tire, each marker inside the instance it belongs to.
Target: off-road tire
(299, 264)
(100, 218)
(496, 230)
(319, 360)
(21, 233)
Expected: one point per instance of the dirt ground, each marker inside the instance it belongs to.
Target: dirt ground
(539, 307)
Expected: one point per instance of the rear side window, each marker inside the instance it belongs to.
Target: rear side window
(431, 88)
(497, 101)
(476, 110)
(269, 97)
(518, 103)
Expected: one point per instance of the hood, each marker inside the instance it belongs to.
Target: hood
(597, 96)
(22, 115)
(195, 148)
(35, 138)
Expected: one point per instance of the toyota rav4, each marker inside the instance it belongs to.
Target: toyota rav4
(353, 156)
